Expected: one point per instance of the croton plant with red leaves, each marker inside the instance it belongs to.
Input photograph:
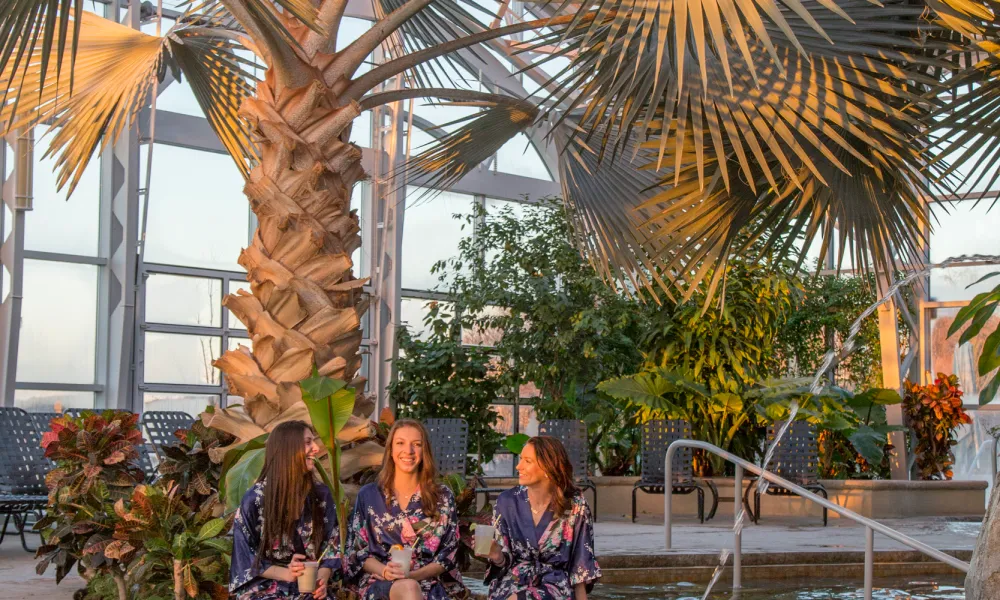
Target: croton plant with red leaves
(934, 412)
(96, 460)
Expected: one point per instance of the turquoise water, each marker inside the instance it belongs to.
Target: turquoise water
(813, 589)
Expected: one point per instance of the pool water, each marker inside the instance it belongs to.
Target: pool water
(941, 588)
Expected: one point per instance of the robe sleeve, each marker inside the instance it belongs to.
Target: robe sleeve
(447, 552)
(583, 567)
(359, 537)
(331, 558)
(246, 541)
(502, 536)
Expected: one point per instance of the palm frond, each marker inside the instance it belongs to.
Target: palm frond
(438, 23)
(220, 80)
(779, 105)
(30, 28)
(479, 136)
(114, 71)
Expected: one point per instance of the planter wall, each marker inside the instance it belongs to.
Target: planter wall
(873, 499)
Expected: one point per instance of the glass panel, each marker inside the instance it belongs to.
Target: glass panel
(951, 283)
(183, 300)
(234, 342)
(179, 98)
(962, 228)
(235, 323)
(476, 336)
(198, 215)
(52, 401)
(972, 449)
(502, 465)
(192, 404)
(177, 358)
(519, 157)
(529, 390)
(527, 420)
(360, 202)
(58, 224)
(945, 357)
(505, 425)
(412, 312)
(430, 234)
(58, 341)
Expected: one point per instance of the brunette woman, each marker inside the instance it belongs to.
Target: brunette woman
(286, 518)
(405, 508)
(544, 543)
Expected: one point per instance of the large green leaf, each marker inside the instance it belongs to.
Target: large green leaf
(869, 443)
(241, 477)
(234, 455)
(881, 396)
(642, 388)
(211, 529)
(330, 403)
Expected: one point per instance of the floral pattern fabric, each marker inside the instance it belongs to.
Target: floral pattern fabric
(546, 561)
(245, 581)
(376, 525)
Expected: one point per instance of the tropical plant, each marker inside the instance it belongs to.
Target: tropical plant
(934, 411)
(973, 317)
(521, 289)
(96, 465)
(821, 319)
(721, 419)
(442, 378)
(172, 552)
(188, 463)
(853, 429)
(729, 346)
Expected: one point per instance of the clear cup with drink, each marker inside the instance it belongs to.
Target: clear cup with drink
(307, 580)
(483, 539)
(402, 556)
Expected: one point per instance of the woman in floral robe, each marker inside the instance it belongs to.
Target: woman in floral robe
(544, 543)
(284, 519)
(406, 507)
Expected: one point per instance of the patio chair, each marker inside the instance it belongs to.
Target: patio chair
(657, 436)
(43, 420)
(450, 442)
(22, 471)
(160, 426)
(796, 458)
(573, 435)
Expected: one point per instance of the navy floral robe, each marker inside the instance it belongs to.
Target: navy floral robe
(546, 561)
(245, 582)
(377, 526)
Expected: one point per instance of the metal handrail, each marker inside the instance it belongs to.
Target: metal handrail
(870, 526)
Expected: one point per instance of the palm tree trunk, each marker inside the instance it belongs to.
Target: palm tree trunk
(304, 307)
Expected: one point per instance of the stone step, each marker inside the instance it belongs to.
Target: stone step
(751, 573)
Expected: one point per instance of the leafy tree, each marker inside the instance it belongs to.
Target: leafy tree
(442, 378)
(521, 286)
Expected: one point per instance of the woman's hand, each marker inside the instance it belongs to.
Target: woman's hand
(296, 567)
(496, 554)
(393, 571)
(322, 578)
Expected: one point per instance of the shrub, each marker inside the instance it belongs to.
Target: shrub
(934, 411)
(187, 462)
(97, 465)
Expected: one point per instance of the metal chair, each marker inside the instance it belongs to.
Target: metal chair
(449, 440)
(22, 471)
(657, 436)
(796, 458)
(160, 426)
(43, 420)
(573, 435)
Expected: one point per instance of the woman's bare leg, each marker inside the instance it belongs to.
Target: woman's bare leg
(405, 589)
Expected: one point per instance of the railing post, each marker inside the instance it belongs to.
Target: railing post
(668, 477)
(869, 561)
(737, 529)
(993, 459)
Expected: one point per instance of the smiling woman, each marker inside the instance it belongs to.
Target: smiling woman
(403, 540)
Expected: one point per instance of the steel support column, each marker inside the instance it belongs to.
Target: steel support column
(17, 196)
(118, 243)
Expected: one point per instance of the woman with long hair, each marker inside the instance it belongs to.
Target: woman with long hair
(405, 508)
(285, 519)
(543, 548)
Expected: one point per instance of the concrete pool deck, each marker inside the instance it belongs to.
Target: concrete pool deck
(634, 552)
